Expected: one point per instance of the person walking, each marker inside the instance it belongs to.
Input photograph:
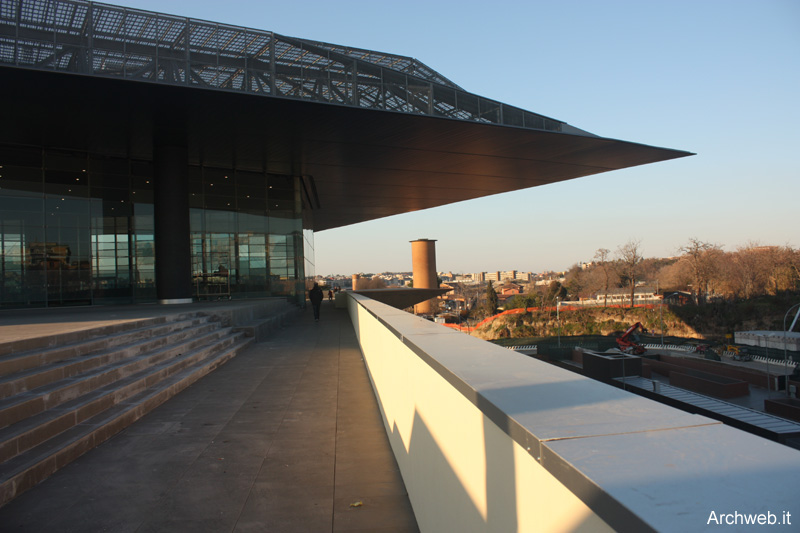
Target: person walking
(315, 295)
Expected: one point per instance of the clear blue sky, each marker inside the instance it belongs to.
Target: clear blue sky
(720, 78)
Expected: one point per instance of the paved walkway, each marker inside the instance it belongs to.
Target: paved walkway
(285, 437)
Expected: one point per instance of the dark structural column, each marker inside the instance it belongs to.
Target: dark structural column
(171, 209)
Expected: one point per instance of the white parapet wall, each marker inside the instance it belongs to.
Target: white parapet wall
(491, 440)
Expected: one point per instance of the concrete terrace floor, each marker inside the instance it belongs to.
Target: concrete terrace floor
(285, 437)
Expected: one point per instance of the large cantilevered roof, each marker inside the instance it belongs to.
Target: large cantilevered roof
(371, 134)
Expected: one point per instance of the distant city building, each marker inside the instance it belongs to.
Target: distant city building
(508, 274)
(509, 289)
(678, 297)
(622, 295)
(524, 276)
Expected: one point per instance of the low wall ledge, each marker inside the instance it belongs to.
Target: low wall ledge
(638, 464)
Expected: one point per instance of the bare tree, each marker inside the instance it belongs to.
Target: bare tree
(782, 267)
(630, 258)
(753, 270)
(788, 271)
(749, 271)
(702, 258)
(675, 276)
(601, 258)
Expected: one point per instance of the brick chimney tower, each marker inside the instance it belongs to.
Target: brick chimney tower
(423, 264)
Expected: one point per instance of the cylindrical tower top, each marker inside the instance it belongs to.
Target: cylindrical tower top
(423, 262)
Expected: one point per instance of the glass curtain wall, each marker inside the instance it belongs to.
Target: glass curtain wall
(70, 226)
(77, 229)
(246, 234)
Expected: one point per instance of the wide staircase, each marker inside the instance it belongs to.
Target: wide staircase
(61, 396)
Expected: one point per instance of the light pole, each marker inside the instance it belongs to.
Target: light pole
(766, 354)
(558, 319)
(785, 336)
(660, 314)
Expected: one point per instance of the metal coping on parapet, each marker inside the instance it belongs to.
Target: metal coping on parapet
(89, 38)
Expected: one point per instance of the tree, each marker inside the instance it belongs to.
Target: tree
(676, 276)
(787, 272)
(491, 299)
(555, 290)
(575, 282)
(601, 258)
(782, 264)
(523, 301)
(629, 260)
(749, 275)
(702, 259)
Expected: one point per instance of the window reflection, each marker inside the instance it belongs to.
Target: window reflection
(78, 229)
(246, 233)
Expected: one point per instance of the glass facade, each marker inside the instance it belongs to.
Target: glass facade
(246, 232)
(78, 229)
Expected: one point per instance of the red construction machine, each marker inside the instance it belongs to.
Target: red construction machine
(628, 341)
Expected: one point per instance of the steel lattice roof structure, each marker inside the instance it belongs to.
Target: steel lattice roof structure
(372, 134)
(106, 40)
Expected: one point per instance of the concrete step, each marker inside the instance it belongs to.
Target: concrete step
(80, 335)
(130, 401)
(49, 396)
(64, 394)
(90, 341)
(33, 378)
(36, 429)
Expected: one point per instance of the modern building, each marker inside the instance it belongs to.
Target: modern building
(524, 276)
(152, 157)
(508, 275)
(622, 296)
(492, 276)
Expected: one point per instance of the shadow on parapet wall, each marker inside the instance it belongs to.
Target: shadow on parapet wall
(495, 505)
(425, 453)
(501, 480)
